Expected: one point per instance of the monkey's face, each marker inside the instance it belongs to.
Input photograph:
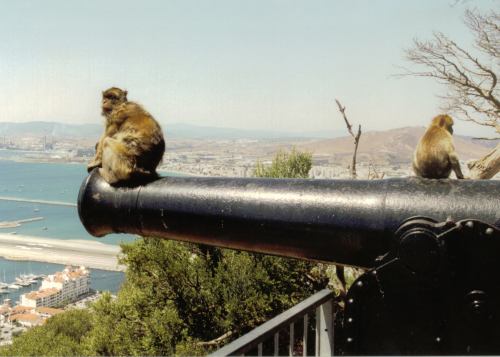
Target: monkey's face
(111, 99)
(448, 124)
(443, 121)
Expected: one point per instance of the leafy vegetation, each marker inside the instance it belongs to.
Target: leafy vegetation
(62, 335)
(179, 296)
(294, 164)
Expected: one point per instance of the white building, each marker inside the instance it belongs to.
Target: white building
(59, 288)
(43, 297)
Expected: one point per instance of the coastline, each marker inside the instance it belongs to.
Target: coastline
(28, 160)
(91, 254)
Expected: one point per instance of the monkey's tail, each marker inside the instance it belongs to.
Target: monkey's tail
(340, 272)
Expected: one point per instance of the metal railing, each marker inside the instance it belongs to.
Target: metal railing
(321, 303)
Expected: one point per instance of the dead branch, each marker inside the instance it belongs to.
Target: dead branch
(487, 167)
(373, 174)
(215, 341)
(356, 138)
(471, 80)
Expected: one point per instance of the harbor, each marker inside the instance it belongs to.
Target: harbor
(43, 296)
(17, 223)
(43, 202)
(102, 280)
(21, 281)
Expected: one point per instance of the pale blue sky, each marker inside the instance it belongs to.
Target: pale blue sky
(274, 65)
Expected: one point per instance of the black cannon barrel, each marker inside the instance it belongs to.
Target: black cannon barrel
(348, 222)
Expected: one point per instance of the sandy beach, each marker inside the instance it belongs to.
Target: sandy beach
(75, 252)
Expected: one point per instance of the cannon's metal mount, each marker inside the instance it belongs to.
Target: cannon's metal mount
(436, 293)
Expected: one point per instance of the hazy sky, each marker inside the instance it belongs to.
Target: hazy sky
(274, 65)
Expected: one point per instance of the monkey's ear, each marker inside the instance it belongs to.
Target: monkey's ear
(125, 93)
(442, 121)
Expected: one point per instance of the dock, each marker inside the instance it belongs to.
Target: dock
(44, 202)
(15, 224)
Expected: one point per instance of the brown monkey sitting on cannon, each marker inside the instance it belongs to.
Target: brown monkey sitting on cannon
(132, 145)
(435, 154)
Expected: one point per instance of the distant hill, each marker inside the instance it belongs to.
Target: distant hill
(389, 146)
(52, 129)
(395, 145)
(175, 130)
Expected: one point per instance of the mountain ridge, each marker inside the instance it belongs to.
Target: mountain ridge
(390, 145)
(175, 130)
(393, 144)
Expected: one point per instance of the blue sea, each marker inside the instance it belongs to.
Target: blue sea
(52, 182)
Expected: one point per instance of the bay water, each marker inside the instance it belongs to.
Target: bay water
(47, 182)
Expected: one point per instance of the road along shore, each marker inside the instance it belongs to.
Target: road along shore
(69, 252)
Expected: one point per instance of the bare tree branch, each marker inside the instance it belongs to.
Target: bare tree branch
(487, 167)
(215, 341)
(472, 80)
(373, 174)
(356, 138)
(487, 29)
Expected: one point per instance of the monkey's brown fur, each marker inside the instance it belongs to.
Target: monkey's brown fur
(435, 154)
(132, 145)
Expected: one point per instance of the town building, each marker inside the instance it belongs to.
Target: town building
(28, 319)
(47, 312)
(28, 316)
(42, 297)
(59, 289)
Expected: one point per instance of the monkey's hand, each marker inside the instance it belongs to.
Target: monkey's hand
(93, 164)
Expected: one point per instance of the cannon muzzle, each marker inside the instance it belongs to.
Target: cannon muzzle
(349, 222)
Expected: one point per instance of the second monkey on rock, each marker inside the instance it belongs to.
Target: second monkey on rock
(132, 145)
